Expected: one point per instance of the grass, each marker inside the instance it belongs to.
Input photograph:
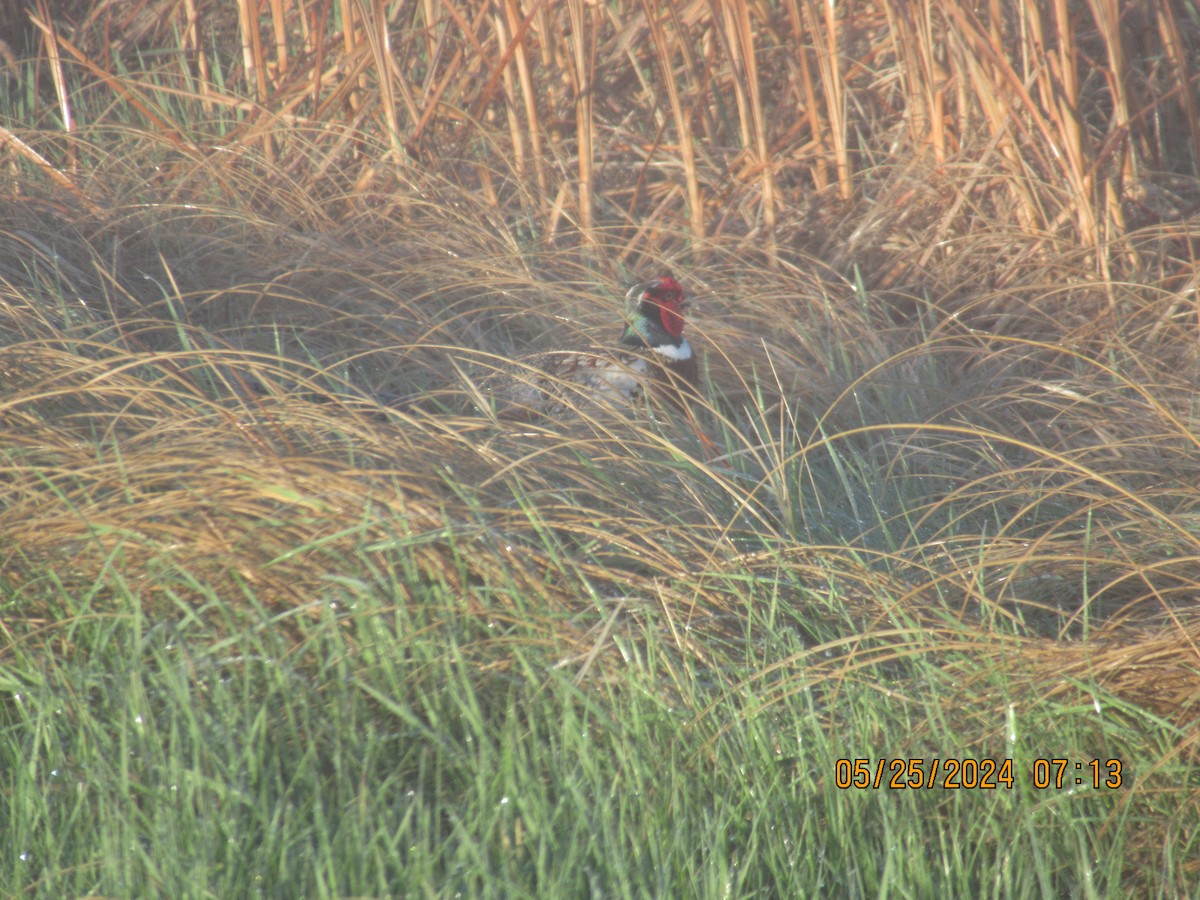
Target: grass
(285, 611)
(153, 759)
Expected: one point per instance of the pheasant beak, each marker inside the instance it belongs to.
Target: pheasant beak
(635, 292)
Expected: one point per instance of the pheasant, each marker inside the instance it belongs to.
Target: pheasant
(651, 353)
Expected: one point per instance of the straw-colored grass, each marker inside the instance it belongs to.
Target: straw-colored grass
(288, 608)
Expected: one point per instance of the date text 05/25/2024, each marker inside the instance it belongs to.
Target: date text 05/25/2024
(976, 774)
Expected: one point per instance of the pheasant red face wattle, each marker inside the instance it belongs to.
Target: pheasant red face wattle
(672, 319)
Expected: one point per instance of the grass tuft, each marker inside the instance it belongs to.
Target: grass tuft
(286, 608)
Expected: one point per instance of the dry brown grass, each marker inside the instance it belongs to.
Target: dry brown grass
(220, 431)
(940, 263)
(931, 123)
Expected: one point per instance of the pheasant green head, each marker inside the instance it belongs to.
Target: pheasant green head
(654, 315)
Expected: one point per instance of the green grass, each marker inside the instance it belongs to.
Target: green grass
(371, 755)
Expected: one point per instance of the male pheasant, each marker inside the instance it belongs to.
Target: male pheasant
(652, 354)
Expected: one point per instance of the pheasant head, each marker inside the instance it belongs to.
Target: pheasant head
(654, 316)
(654, 322)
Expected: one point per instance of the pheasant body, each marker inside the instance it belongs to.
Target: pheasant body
(651, 353)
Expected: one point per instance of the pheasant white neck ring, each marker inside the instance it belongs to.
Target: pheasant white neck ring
(675, 352)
